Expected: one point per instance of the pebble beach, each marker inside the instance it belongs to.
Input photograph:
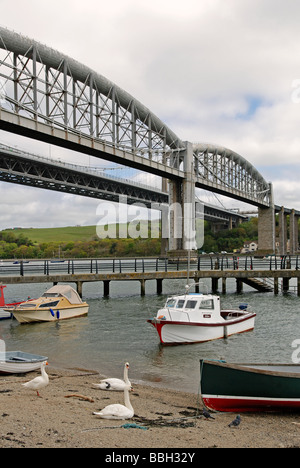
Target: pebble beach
(62, 417)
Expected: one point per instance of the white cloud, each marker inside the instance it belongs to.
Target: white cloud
(215, 71)
(31, 207)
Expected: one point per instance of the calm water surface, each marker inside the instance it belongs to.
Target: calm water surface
(116, 331)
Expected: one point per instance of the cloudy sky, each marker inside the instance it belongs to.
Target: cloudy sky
(217, 71)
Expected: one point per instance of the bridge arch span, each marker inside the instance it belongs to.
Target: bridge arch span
(44, 85)
(49, 96)
(226, 172)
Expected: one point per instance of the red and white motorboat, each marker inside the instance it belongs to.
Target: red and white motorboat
(196, 318)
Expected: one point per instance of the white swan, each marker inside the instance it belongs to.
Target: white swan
(117, 411)
(115, 384)
(39, 382)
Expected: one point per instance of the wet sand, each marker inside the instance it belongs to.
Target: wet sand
(164, 418)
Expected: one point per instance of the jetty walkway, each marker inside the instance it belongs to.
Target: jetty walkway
(263, 274)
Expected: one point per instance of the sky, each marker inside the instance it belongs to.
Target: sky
(225, 72)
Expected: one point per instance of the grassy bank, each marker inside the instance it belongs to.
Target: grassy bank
(62, 234)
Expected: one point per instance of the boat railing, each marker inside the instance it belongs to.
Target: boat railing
(197, 286)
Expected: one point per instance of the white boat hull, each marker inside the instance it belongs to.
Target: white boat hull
(17, 362)
(171, 333)
(13, 368)
(4, 314)
(47, 315)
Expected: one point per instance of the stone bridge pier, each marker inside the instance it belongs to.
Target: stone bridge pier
(267, 232)
(182, 234)
(288, 244)
(266, 227)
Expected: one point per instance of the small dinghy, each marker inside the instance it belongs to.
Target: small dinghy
(18, 362)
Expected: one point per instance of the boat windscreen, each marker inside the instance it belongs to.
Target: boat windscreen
(49, 304)
(207, 304)
(171, 303)
(191, 304)
(51, 295)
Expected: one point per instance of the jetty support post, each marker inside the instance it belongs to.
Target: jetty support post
(214, 284)
(159, 286)
(285, 284)
(79, 288)
(143, 287)
(239, 285)
(106, 288)
(276, 286)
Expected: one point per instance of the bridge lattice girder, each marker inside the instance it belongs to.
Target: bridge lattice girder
(228, 173)
(44, 86)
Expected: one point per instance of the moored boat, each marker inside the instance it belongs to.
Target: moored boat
(60, 302)
(249, 387)
(18, 362)
(5, 309)
(196, 318)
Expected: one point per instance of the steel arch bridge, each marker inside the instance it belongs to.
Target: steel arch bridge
(228, 173)
(53, 98)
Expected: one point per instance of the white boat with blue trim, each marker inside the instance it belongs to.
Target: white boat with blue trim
(19, 362)
(196, 318)
(60, 302)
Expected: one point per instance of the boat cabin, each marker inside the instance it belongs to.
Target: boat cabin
(192, 308)
(63, 291)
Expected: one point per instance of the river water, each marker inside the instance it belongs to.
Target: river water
(116, 331)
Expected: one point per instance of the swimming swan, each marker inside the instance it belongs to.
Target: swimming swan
(117, 411)
(39, 382)
(115, 384)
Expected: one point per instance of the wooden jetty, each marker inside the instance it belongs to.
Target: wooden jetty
(264, 277)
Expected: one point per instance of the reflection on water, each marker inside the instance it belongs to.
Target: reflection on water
(116, 331)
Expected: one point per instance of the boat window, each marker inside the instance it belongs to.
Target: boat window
(171, 303)
(30, 305)
(46, 294)
(49, 304)
(207, 304)
(180, 304)
(191, 304)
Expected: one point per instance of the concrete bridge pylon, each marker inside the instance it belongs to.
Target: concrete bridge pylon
(182, 207)
(266, 226)
(288, 244)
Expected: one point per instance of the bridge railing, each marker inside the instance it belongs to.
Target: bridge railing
(141, 265)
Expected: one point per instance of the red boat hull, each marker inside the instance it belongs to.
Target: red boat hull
(248, 405)
(250, 387)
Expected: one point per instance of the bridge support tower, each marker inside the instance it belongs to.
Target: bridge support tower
(283, 231)
(294, 232)
(182, 234)
(266, 227)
